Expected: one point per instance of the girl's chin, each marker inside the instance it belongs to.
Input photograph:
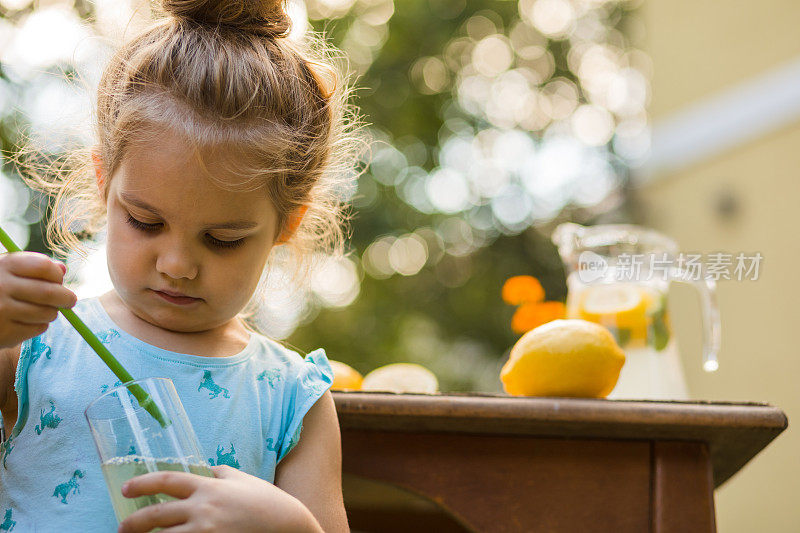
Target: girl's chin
(181, 318)
(176, 325)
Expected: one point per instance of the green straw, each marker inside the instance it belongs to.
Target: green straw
(139, 393)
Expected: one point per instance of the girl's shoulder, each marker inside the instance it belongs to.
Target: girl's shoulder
(270, 350)
(311, 369)
(298, 381)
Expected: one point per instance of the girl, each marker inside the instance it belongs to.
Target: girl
(220, 144)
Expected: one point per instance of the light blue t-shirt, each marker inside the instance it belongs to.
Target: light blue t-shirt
(246, 409)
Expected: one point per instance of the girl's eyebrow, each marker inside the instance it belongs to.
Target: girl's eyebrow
(236, 224)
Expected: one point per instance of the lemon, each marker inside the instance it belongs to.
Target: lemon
(654, 299)
(620, 305)
(401, 377)
(572, 357)
(345, 377)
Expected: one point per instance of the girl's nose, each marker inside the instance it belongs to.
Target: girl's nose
(177, 261)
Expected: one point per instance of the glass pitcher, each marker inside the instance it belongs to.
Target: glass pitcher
(619, 276)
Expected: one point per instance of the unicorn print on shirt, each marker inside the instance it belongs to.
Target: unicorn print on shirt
(7, 446)
(49, 420)
(272, 375)
(214, 390)
(225, 458)
(8, 524)
(104, 388)
(64, 489)
(272, 445)
(39, 349)
(107, 336)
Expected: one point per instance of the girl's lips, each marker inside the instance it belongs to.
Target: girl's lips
(180, 300)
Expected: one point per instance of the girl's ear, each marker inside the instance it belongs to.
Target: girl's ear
(292, 223)
(98, 172)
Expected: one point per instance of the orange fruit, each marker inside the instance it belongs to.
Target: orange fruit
(345, 377)
(518, 290)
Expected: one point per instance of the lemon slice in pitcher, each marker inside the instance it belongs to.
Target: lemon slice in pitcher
(621, 305)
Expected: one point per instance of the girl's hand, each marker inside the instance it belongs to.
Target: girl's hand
(232, 502)
(31, 291)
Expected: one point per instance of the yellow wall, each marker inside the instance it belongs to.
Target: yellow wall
(698, 49)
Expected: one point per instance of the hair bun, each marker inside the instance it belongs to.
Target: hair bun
(264, 17)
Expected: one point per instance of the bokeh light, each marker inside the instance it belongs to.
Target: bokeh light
(335, 282)
(540, 108)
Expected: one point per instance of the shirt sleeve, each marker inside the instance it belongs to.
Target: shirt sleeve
(314, 377)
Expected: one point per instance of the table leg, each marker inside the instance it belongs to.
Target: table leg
(683, 488)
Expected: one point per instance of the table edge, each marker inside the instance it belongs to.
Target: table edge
(734, 432)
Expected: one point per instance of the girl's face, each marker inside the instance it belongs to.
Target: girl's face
(172, 229)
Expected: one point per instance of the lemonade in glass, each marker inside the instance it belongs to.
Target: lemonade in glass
(118, 470)
(131, 442)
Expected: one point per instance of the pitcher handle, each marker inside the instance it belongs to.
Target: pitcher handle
(707, 288)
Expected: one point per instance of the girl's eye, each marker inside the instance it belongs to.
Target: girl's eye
(138, 224)
(225, 244)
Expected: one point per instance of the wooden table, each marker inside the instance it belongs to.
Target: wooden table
(494, 463)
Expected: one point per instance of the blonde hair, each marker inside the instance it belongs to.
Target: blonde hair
(223, 74)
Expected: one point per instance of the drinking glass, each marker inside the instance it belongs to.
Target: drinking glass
(131, 442)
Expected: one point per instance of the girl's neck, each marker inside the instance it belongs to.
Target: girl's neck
(220, 342)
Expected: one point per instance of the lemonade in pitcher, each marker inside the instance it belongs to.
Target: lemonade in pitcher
(636, 314)
(618, 276)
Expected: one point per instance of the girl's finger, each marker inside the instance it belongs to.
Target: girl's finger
(156, 515)
(41, 292)
(224, 471)
(183, 528)
(35, 265)
(27, 331)
(27, 313)
(176, 484)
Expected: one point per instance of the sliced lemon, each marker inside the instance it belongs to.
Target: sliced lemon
(619, 305)
(401, 377)
(654, 299)
(612, 299)
(345, 377)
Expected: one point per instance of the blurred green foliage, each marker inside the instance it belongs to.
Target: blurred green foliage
(448, 317)
(386, 322)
